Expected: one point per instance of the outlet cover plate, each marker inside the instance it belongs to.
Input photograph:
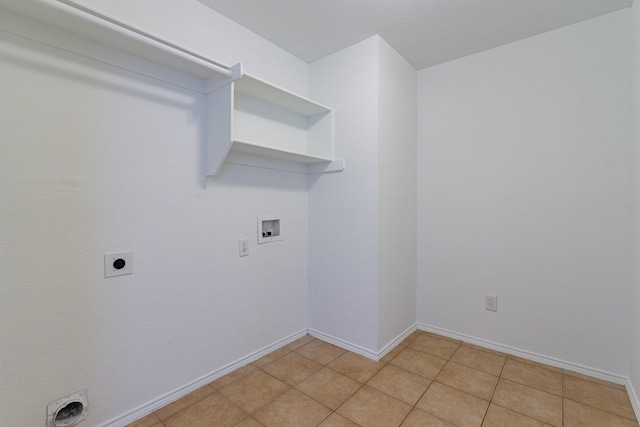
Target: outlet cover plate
(491, 302)
(118, 264)
(269, 229)
(243, 247)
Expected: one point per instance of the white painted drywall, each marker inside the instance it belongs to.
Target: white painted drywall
(362, 222)
(524, 193)
(343, 208)
(634, 325)
(95, 159)
(397, 198)
(211, 33)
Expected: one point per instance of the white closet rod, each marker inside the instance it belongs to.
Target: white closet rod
(220, 68)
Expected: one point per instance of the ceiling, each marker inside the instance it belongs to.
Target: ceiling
(425, 32)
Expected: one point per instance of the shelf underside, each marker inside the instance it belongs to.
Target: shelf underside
(274, 153)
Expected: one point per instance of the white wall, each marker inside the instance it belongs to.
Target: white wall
(523, 193)
(95, 159)
(397, 199)
(362, 222)
(343, 208)
(634, 329)
(209, 32)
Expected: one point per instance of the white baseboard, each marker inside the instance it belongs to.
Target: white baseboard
(558, 363)
(633, 397)
(596, 373)
(371, 354)
(387, 348)
(180, 392)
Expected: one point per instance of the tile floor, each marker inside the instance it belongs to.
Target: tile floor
(427, 380)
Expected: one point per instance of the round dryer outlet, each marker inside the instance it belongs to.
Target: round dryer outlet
(67, 411)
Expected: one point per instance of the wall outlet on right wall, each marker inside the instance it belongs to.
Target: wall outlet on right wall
(491, 302)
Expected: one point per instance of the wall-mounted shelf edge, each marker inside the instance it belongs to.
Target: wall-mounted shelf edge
(265, 151)
(242, 159)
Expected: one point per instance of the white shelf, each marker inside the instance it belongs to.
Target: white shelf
(279, 97)
(264, 151)
(249, 121)
(256, 120)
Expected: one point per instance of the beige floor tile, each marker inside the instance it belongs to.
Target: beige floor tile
(320, 352)
(435, 346)
(472, 381)
(271, 357)
(302, 383)
(356, 367)
(480, 360)
(180, 404)
(370, 407)
(212, 410)
(248, 422)
(484, 349)
(408, 340)
(254, 391)
(594, 380)
(337, 420)
(292, 409)
(150, 420)
(497, 416)
(531, 362)
(533, 376)
(578, 415)
(454, 406)
(329, 387)
(300, 342)
(401, 384)
(405, 342)
(233, 376)
(442, 337)
(534, 403)
(418, 418)
(393, 353)
(292, 368)
(602, 397)
(418, 362)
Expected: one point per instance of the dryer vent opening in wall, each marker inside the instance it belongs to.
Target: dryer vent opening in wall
(269, 229)
(67, 411)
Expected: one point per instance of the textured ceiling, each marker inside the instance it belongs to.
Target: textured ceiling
(425, 32)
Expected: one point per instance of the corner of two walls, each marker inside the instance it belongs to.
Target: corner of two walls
(397, 196)
(634, 330)
(362, 221)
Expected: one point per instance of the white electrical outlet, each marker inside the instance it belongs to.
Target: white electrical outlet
(243, 247)
(491, 303)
